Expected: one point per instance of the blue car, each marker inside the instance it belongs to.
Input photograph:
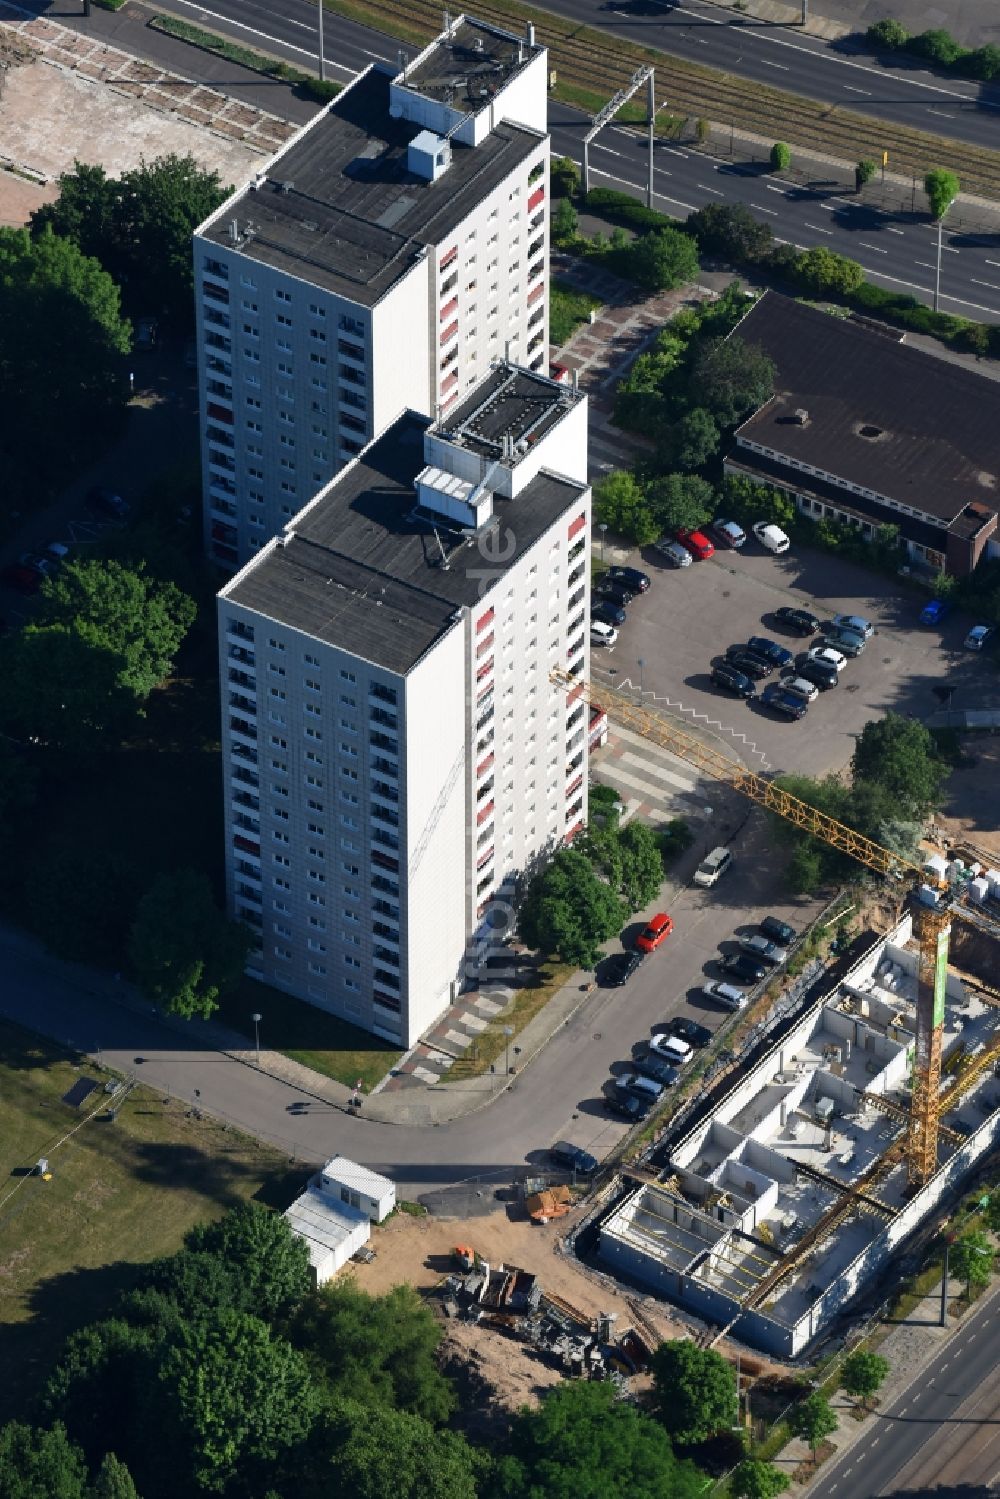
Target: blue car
(934, 612)
(769, 650)
(787, 703)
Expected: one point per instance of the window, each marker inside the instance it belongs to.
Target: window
(282, 296)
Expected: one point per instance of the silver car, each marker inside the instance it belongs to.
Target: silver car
(857, 623)
(673, 552)
(760, 947)
(799, 687)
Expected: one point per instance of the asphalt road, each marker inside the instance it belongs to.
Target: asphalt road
(897, 249)
(785, 57)
(941, 1429)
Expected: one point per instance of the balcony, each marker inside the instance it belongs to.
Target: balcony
(577, 574)
(246, 799)
(449, 307)
(536, 292)
(574, 787)
(223, 507)
(237, 630)
(385, 955)
(485, 789)
(247, 892)
(537, 221)
(449, 333)
(484, 765)
(247, 705)
(447, 258)
(382, 788)
(247, 846)
(449, 382)
(350, 351)
(482, 815)
(536, 245)
(486, 858)
(536, 342)
(252, 871)
(538, 196)
(242, 679)
(242, 752)
(484, 670)
(387, 840)
(381, 716)
(248, 823)
(248, 777)
(449, 285)
(240, 726)
(537, 316)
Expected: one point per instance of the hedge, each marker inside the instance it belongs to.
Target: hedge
(620, 208)
(937, 47)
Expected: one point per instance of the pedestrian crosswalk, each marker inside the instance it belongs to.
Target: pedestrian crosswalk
(652, 782)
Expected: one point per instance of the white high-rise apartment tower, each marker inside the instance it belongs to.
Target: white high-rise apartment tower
(393, 249)
(396, 752)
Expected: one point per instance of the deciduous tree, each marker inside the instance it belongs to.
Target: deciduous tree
(971, 1258)
(813, 1419)
(730, 230)
(257, 1247)
(642, 865)
(38, 1462)
(695, 1390)
(942, 188)
(620, 502)
(693, 441)
(781, 157)
(113, 1480)
(731, 378)
(380, 1453)
(680, 500)
(898, 754)
(660, 260)
(863, 1373)
(569, 911)
(754, 1479)
(184, 951)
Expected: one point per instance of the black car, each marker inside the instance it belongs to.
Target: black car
(747, 663)
(629, 577)
(608, 614)
(778, 931)
(689, 1031)
(101, 498)
(724, 674)
(821, 672)
(777, 697)
(625, 1106)
(750, 970)
(573, 1158)
(799, 621)
(620, 968)
(769, 650)
(615, 593)
(660, 1070)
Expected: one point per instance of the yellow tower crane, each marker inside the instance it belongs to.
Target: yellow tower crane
(933, 924)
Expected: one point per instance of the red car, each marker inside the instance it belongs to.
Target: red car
(697, 543)
(658, 930)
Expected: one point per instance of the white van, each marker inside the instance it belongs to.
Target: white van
(772, 537)
(671, 1048)
(713, 867)
(602, 634)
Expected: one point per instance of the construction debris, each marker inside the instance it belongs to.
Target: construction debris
(551, 1202)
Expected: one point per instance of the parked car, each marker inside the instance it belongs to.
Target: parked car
(98, 497)
(573, 1158)
(689, 1031)
(21, 579)
(608, 614)
(769, 650)
(625, 1105)
(777, 697)
(614, 593)
(777, 930)
(674, 1048)
(726, 995)
(656, 932)
(747, 663)
(697, 544)
(848, 642)
(771, 537)
(935, 611)
(729, 534)
(855, 622)
(658, 1068)
(620, 968)
(724, 674)
(672, 552)
(759, 947)
(641, 1087)
(713, 867)
(146, 329)
(751, 970)
(829, 655)
(800, 686)
(799, 621)
(978, 637)
(602, 634)
(630, 577)
(821, 672)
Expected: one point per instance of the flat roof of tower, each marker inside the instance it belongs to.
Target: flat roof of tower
(340, 207)
(466, 66)
(357, 569)
(510, 403)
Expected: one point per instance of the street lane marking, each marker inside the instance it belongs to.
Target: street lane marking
(991, 287)
(610, 149)
(928, 265)
(892, 230)
(851, 90)
(817, 228)
(673, 150)
(941, 113)
(877, 248)
(267, 37)
(757, 208)
(781, 65)
(991, 262)
(771, 189)
(706, 189)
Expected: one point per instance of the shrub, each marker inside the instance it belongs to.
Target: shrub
(564, 177)
(983, 63)
(620, 208)
(936, 46)
(660, 260)
(864, 171)
(822, 270)
(781, 157)
(889, 34)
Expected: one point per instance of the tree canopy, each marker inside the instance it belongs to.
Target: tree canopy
(138, 225)
(823, 271)
(258, 1249)
(660, 260)
(863, 1372)
(899, 754)
(184, 951)
(568, 910)
(753, 1479)
(680, 500)
(813, 1419)
(971, 1259)
(583, 1443)
(695, 1390)
(942, 188)
(730, 230)
(38, 1462)
(620, 502)
(693, 440)
(731, 378)
(377, 1452)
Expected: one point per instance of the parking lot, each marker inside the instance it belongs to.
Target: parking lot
(689, 616)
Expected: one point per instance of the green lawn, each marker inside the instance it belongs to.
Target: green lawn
(309, 1035)
(121, 1193)
(568, 308)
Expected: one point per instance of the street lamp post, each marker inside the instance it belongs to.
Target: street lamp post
(256, 1033)
(642, 665)
(937, 269)
(508, 1031)
(603, 528)
(322, 59)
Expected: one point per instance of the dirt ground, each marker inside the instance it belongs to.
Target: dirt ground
(418, 1250)
(49, 118)
(971, 813)
(19, 198)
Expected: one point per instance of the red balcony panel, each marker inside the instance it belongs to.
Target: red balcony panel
(449, 333)
(576, 828)
(449, 400)
(576, 693)
(383, 861)
(536, 292)
(484, 670)
(484, 765)
(574, 787)
(486, 859)
(538, 196)
(485, 644)
(484, 620)
(449, 383)
(576, 527)
(482, 816)
(447, 258)
(246, 844)
(448, 308)
(220, 413)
